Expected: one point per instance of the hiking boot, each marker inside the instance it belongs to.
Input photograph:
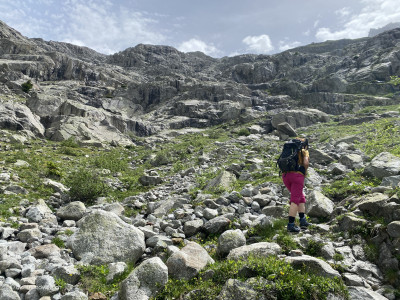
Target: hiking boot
(303, 223)
(292, 228)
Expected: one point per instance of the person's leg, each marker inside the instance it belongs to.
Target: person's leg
(302, 208)
(299, 198)
(287, 180)
(303, 220)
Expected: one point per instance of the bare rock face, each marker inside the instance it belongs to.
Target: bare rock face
(104, 238)
(16, 116)
(146, 89)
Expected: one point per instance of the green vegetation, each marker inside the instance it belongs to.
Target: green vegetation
(244, 132)
(84, 185)
(61, 284)
(338, 257)
(276, 232)
(282, 280)
(27, 86)
(395, 80)
(93, 279)
(58, 242)
(352, 184)
(53, 170)
(88, 171)
(314, 248)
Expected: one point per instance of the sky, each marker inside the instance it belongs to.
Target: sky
(215, 27)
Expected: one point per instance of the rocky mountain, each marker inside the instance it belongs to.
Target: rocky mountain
(151, 173)
(148, 89)
(390, 26)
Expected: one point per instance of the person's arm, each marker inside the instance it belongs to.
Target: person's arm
(306, 162)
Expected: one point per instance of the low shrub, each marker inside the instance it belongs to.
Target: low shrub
(85, 186)
(27, 86)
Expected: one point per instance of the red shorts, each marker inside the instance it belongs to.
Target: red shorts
(295, 183)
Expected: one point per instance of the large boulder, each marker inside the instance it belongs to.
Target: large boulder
(394, 229)
(7, 293)
(39, 211)
(104, 238)
(372, 204)
(216, 225)
(229, 240)
(362, 293)
(320, 157)
(299, 118)
(188, 262)
(352, 161)
(262, 249)
(145, 281)
(314, 265)
(224, 180)
(383, 165)
(72, 211)
(238, 290)
(318, 205)
(350, 221)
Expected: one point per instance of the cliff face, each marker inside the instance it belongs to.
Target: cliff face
(147, 88)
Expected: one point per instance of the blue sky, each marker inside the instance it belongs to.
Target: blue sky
(215, 27)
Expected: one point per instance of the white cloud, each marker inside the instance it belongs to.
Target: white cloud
(102, 25)
(258, 44)
(345, 11)
(284, 45)
(193, 45)
(99, 27)
(375, 14)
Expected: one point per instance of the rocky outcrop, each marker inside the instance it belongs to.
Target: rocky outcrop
(145, 89)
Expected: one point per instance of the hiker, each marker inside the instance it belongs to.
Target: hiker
(294, 181)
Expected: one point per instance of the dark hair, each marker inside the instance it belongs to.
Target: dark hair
(304, 142)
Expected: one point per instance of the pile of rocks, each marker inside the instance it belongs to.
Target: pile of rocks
(30, 262)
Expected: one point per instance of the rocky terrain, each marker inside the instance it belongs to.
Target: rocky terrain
(150, 173)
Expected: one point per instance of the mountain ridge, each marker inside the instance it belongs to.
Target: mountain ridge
(161, 88)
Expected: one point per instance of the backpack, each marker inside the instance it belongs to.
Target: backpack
(289, 158)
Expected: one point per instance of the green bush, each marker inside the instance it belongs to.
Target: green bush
(85, 186)
(69, 151)
(58, 242)
(53, 170)
(244, 132)
(70, 142)
(314, 248)
(27, 86)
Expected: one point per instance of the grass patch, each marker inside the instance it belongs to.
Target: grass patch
(93, 279)
(352, 184)
(58, 242)
(282, 280)
(277, 232)
(115, 160)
